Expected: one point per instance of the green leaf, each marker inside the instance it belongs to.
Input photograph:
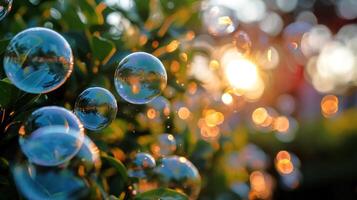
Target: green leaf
(161, 194)
(119, 166)
(8, 93)
(102, 48)
(3, 45)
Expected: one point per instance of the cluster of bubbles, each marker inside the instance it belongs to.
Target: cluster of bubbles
(168, 170)
(55, 147)
(5, 7)
(52, 139)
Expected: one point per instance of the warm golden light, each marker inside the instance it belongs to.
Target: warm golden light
(214, 64)
(281, 124)
(151, 113)
(172, 46)
(329, 105)
(227, 98)
(184, 113)
(259, 116)
(213, 118)
(283, 163)
(243, 75)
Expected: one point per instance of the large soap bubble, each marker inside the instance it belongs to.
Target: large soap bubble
(96, 108)
(5, 7)
(51, 136)
(38, 60)
(140, 77)
(70, 181)
(180, 174)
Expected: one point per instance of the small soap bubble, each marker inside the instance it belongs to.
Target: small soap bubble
(141, 164)
(51, 136)
(5, 7)
(140, 77)
(96, 107)
(38, 60)
(165, 145)
(180, 174)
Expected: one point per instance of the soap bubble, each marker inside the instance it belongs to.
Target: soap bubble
(36, 182)
(51, 136)
(38, 60)
(141, 163)
(70, 181)
(5, 7)
(180, 174)
(140, 77)
(166, 144)
(242, 42)
(96, 108)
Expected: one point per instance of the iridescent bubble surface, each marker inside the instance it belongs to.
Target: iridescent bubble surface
(167, 144)
(36, 182)
(38, 60)
(51, 136)
(5, 7)
(180, 174)
(96, 107)
(140, 77)
(140, 164)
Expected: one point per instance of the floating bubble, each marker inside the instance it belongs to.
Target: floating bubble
(140, 77)
(242, 42)
(35, 182)
(220, 20)
(140, 164)
(5, 7)
(38, 60)
(70, 181)
(166, 145)
(51, 136)
(96, 107)
(180, 174)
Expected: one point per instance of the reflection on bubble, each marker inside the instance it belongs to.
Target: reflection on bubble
(140, 164)
(140, 77)
(51, 136)
(38, 60)
(219, 20)
(180, 174)
(242, 41)
(5, 7)
(35, 182)
(166, 145)
(96, 108)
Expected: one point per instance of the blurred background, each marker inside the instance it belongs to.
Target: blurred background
(261, 94)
